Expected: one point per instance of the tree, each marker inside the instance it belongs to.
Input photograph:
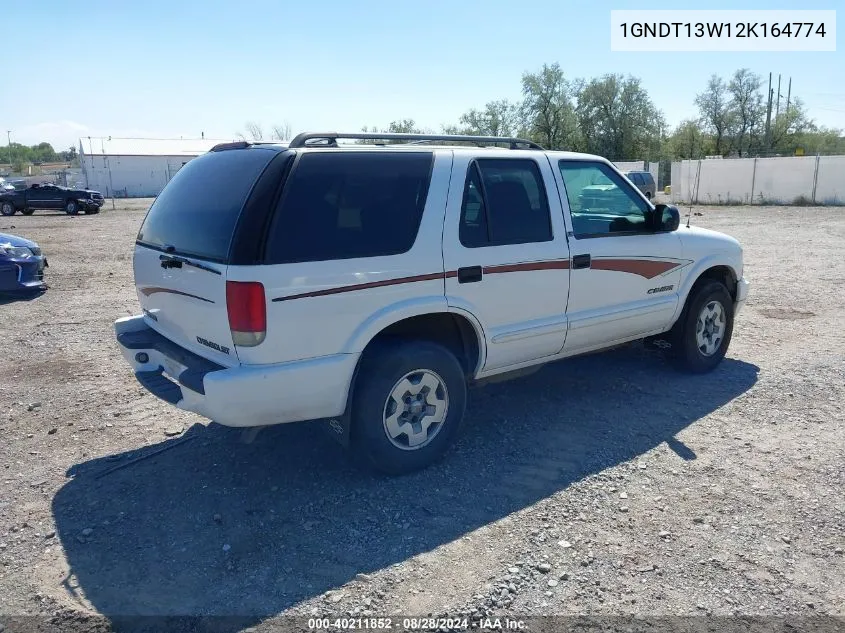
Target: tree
(402, 126)
(548, 109)
(747, 109)
(255, 131)
(18, 165)
(687, 141)
(281, 132)
(43, 153)
(405, 126)
(788, 126)
(820, 140)
(498, 118)
(714, 108)
(618, 118)
(67, 156)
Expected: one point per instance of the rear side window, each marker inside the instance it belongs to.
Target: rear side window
(341, 205)
(197, 212)
(504, 203)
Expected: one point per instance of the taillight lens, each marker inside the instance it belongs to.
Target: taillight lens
(247, 310)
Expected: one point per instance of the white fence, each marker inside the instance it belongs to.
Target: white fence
(787, 180)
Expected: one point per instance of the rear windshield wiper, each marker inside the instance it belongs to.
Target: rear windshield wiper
(175, 261)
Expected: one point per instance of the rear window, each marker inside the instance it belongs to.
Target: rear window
(341, 205)
(197, 212)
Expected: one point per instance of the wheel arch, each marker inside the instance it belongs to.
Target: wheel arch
(708, 269)
(425, 318)
(721, 273)
(430, 319)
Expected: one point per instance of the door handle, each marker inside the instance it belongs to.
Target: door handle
(469, 275)
(581, 261)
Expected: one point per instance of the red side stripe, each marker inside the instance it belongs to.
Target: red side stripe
(647, 268)
(151, 290)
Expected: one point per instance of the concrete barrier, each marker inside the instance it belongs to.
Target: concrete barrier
(777, 180)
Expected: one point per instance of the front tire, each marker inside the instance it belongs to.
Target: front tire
(408, 405)
(71, 207)
(7, 209)
(704, 332)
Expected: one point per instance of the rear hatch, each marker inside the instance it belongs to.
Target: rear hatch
(182, 250)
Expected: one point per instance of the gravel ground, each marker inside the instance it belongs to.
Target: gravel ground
(605, 485)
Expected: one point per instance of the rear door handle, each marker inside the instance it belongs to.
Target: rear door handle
(469, 275)
(581, 261)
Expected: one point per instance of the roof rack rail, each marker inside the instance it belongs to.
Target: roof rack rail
(221, 147)
(307, 139)
(233, 145)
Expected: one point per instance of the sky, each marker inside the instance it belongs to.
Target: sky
(180, 68)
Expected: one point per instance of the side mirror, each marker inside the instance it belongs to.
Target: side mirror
(666, 218)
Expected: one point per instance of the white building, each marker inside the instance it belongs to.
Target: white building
(136, 167)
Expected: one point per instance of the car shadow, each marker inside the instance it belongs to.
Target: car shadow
(14, 297)
(218, 527)
(57, 214)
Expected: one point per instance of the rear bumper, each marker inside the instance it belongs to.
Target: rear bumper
(742, 288)
(242, 396)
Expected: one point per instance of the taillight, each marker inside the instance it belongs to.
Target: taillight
(247, 312)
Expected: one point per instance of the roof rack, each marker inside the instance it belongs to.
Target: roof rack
(307, 139)
(222, 147)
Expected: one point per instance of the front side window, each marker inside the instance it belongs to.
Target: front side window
(342, 205)
(601, 202)
(504, 203)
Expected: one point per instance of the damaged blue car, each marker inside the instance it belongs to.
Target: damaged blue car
(21, 265)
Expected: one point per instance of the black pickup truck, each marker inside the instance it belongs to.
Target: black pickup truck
(71, 201)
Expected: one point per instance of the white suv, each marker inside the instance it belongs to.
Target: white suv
(368, 285)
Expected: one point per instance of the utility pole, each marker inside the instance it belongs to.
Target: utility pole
(788, 95)
(777, 110)
(769, 117)
(9, 136)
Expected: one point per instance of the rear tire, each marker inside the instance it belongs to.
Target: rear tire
(71, 207)
(7, 209)
(701, 337)
(408, 404)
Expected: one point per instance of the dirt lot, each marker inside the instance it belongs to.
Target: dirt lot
(607, 485)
